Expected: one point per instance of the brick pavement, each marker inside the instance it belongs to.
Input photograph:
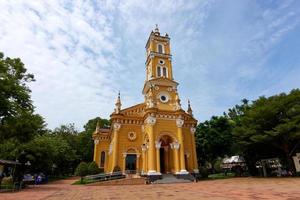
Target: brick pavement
(236, 188)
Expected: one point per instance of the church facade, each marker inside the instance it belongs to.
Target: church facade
(157, 135)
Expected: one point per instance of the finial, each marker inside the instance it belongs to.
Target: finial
(118, 104)
(97, 127)
(190, 111)
(177, 100)
(156, 28)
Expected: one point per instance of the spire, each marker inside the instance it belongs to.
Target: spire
(190, 111)
(118, 104)
(156, 30)
(97, 127)
(177, 104)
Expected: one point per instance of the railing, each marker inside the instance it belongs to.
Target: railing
(104, 177)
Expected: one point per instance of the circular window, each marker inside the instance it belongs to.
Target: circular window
(161, 61)
(164, 98)
(131, 136)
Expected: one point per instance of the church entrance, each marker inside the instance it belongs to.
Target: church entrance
(165, 154)
(130, 163)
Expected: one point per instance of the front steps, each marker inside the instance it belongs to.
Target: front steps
(126, 181)
(170, 178)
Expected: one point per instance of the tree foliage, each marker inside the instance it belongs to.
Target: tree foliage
(14, 93)
(213, 139)
(271, 127)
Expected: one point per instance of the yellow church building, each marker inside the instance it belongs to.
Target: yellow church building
(156, 136)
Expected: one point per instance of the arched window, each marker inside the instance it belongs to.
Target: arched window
(160, 48)
(102, 159)
(165, 74)
(158, 71)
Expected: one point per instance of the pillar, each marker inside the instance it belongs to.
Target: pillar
(96, 153)
(116, 128)
(175, 147)
(195, 161)
(157, 146)
(150, 121)
(179, 123)
(124, 163)
(137, 163)
(167, 158)
(144, 148)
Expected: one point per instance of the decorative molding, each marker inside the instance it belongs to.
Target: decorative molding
(150, 120)
(174, 145)
(157, 144)
(96, 141)
(144, 147)
(143, 128)
(179, 122)
(117, 126)
(131, 136)
(110, 148)
(193, 130)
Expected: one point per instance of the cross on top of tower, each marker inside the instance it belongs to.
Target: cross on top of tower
(156, 28)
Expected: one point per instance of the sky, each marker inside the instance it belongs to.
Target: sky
(83, 52)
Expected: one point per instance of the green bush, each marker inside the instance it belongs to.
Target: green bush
(93, 168)
(217, 166)
(82, 170)
(203, 172)
(117, 169)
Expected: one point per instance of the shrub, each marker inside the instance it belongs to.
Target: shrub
(82, 170)
(117, 169)
(93, 168)
(203, 172)
(217, 166)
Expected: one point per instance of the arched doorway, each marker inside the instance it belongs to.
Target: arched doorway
(130, 162)
(165, 154)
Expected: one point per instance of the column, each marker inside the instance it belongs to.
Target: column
(116, 128)
(124, 163)
(179, 123)
(194, 157)
(137, 163)
(150, 121)
(175, 147)
(144, 148)
(167, 157)
(157, 146)
(96, 153)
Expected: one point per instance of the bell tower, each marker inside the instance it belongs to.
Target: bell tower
(158, 61)
(160, 89)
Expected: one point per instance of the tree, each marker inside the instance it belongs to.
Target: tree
(14, 93)
(271, 127)
(18, 123)
(81, 170)
(85, 140)
(93, 168)
(48, 152)
(213, 139)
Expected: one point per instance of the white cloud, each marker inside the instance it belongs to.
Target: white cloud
(83, 52)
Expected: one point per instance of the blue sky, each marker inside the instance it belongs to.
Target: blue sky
(83, 52)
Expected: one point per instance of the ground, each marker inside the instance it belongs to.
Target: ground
(234, 188)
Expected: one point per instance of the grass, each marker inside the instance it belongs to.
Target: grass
(221, 176)
(83, 182)
(56, 178)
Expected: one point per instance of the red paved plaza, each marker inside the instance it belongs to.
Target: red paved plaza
(236, 188)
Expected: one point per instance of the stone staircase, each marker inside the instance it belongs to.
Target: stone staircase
(170, 178)
(125, 181)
